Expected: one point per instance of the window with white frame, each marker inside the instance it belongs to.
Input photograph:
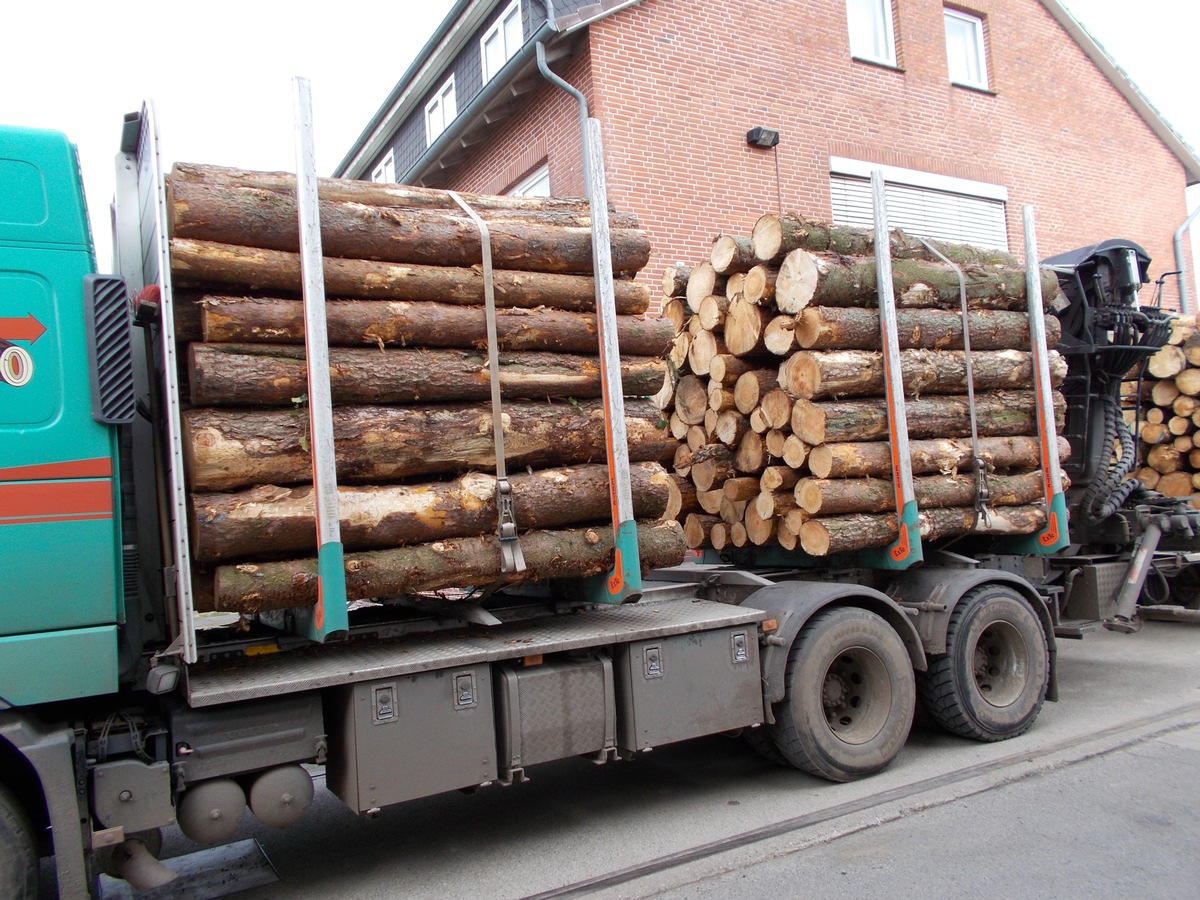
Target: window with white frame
(921, 203)
(536, 184)
(386, 170)
(440, 111)
(965, 49)
(871, 35)
(502, 41)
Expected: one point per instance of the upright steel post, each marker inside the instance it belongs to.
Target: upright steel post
(1185, 305)
(907, 549)
(328, 619)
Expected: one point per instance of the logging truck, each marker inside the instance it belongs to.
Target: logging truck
(176, 653)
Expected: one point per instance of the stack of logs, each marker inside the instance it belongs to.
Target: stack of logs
(776, 388)
(408, 366)
(1169, 425)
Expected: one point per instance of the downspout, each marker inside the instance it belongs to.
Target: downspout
(1181, 261)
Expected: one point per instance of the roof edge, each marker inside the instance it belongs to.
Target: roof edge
(1127, 89)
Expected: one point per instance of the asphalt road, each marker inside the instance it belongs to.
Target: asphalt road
(1098, 799)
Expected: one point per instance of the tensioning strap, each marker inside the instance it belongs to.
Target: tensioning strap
(511, 557)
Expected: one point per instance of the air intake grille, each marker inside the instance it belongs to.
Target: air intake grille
(111, 349)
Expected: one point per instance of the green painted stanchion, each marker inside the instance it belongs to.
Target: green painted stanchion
(328, 617)
(624, 583)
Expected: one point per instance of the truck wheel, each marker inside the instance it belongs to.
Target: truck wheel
(18, 859)
(762, 743)
(850, 696)
(991, 682)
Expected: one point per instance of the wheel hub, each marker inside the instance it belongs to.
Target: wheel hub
(1000, 664)
(856, 695)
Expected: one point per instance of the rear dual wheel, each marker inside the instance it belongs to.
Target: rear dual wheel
(850, 696)
(991, 682)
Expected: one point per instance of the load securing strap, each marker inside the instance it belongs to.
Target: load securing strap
(512, 559)
(983, 494)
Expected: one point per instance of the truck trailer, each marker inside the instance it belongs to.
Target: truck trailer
(123, 710)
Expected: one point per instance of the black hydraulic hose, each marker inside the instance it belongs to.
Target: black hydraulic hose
(1108, 492)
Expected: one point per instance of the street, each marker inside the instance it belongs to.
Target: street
(1098, 799)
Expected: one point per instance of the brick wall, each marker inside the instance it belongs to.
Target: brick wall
(677, 83)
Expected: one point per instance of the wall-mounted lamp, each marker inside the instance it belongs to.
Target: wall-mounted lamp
(762, 137)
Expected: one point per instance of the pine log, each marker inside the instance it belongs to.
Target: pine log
(266, 375)
(266, 219)
(401, 323)
(1183, 443)
(999, 414)
(691, 399)
(1183, 405)
(777, 478)
(733, 285)
(760, 530)
(712, 465)
(703, 281)
(202, 262)
(697, 435)
(1188, 382)
(759, 285)
(1191, 349)
(774, 236)
(1179, 425)
(674, 311)
(775, 440)
(681, 464)
(738, 535)
(733, 512)
(696, 528)
(678, 351)
(1168, 362)
(268, 520)
(849, 328)
(226, 449)
(776, 408)
(706, 345)
(713, 310)
(825, 497)
(1148, 477)
(757, 423)
(795, 451)
(867, 459)
(815, 374)
(375, 194)
(710, 501)
(731, 426)
(787, 539)
(862, 531)
(751, 456)
(750, 387)
(719, 399)
(1153, 433)
(773, 504)
(718, 536)
(1163, 393)
(675, 279)
(779, 337)
(1164, 459)
(1182, 328)
(726, 369)
(1155, 415)
(732, 254)
(455, 563)
(805, 279)
(744, 325)
(741, 488)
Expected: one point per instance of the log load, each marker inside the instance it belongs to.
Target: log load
(452, 563)
(818, 409)
(1162, 408)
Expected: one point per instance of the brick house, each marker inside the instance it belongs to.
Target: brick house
(972, 111)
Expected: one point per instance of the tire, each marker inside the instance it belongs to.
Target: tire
(762, 743)
(850, 696)
(18, 858)
(991, 682)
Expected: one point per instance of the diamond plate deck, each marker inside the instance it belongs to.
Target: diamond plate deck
(210, 684)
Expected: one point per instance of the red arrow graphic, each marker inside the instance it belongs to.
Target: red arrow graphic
(26, 329)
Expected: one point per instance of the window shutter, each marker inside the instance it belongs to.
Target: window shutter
(942, 215)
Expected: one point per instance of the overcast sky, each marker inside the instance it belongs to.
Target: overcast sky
(220, 74)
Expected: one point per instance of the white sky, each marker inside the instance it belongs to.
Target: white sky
(220, 74)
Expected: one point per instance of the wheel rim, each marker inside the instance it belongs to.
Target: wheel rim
(1000, 664)
(856, 695)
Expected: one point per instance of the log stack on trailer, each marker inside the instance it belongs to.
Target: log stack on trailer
(1164, 408)
(776, 389)
(410, 385)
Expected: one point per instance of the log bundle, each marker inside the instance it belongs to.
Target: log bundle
(413, 425)
(777, 389)
(1165, 414)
